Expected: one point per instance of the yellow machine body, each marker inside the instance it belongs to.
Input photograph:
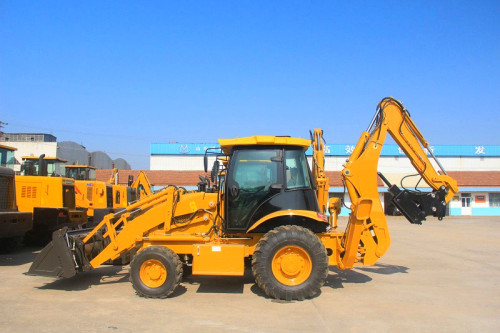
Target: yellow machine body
(91, 195)
(37, 191)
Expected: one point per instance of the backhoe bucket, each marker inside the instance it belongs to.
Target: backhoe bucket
(56, 259)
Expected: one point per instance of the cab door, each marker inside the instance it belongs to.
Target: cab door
(254, 176)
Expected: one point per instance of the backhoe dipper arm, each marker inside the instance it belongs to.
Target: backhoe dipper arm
(360, 177)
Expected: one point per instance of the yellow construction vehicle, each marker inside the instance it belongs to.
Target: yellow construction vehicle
(264, 205)
(99, 198)
(94, 197)
(142, 185)
(51, 198)
(13, 223)
(124, 195)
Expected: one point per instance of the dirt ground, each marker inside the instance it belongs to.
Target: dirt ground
(443, 276)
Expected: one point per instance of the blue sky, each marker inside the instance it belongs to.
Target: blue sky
(119, 75)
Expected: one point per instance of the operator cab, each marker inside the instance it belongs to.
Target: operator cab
(81, 172)
(42, 166)
(265, 175)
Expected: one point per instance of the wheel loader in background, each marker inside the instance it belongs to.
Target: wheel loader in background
(98, 198)
(264, 204)
(41, 190)
(13, 223)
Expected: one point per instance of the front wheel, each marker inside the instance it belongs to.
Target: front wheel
(155, 272)
(290, 262)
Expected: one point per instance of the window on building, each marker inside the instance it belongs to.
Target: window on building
(494, 199)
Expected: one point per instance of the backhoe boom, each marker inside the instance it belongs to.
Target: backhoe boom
(360, 177)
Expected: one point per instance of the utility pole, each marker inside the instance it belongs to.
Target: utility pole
(1, 126)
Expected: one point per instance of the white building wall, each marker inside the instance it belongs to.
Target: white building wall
(387, 164)
(179, 162)
(402, 164)
(32, 149)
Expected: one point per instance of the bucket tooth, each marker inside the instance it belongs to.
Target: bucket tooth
(56, 259)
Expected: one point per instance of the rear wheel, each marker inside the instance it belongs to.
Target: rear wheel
(290, 262)
(155, 272)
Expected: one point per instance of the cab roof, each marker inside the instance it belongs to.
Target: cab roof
(47, 158)
(263, 140)
(80, 166)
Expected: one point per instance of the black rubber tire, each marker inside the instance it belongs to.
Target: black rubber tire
(172, 264)
(271, 243)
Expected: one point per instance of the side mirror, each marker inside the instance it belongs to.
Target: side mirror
(205, 162)
(215, 171)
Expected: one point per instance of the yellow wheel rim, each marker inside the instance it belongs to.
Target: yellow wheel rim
(153, 273)
(291, 265)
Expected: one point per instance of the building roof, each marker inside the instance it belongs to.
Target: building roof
(27, 137)
(9, 148)
(156, 177)
(476, 178)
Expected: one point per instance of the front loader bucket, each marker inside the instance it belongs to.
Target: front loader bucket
(56, 259)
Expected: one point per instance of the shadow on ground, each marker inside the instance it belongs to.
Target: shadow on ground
(207, 284)
(83, 281)
(220, 284)
(340, 277)
(384, 269)
(20, 256)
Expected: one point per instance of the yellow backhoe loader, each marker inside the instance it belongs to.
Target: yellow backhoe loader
(264, 205)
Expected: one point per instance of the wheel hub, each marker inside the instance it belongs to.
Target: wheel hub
(291, 265)
(153, 273)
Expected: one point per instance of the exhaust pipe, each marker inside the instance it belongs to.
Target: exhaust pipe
(42, 166)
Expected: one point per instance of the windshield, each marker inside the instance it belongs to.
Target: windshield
(80, 173)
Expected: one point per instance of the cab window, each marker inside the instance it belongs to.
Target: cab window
(297, 174)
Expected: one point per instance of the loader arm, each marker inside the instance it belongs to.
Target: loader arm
(142, 185)
(367, 234)
(118, 233)
(113, 179)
